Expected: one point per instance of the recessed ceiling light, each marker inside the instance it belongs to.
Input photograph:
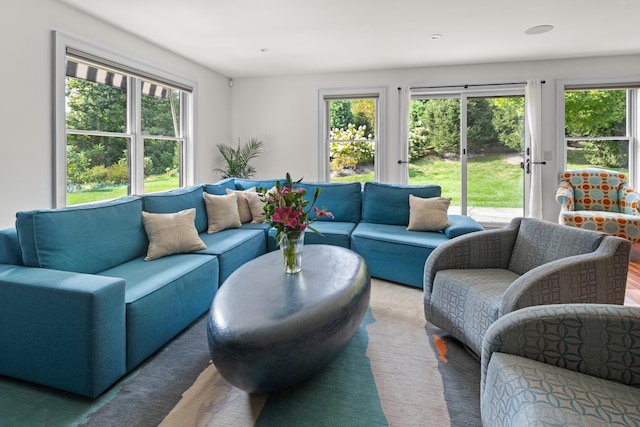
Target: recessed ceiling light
(539, 29)
(435, 36)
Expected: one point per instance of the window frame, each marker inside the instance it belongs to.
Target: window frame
(633, 118)
(324, 95)
(65, 43)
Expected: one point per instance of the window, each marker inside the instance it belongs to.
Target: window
(600, 126)
(471, 141)
(350, 128)
(126, 129)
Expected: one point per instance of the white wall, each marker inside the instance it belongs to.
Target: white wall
(26, 48)
(283, 111)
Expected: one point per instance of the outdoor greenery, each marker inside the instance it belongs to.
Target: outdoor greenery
(97, 162)
(98, 165)
(495, 132)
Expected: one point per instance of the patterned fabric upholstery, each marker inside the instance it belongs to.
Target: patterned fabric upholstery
(472, 280)
(568, 364)
(601, 200)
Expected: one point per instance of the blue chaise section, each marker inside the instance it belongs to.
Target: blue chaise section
(390, 250)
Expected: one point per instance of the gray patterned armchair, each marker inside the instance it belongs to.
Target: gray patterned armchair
(472, 280)
(562, 365)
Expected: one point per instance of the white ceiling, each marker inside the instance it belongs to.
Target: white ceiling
(309, 36)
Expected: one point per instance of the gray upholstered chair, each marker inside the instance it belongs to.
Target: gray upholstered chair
(472, 280)
(562, 365)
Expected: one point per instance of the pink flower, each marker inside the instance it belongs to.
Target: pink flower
(322, 213)
(286, 216)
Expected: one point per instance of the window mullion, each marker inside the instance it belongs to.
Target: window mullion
(136, 149)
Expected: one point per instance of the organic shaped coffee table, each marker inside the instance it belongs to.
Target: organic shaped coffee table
(269, 330)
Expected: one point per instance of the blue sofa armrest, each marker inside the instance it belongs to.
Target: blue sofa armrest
(596, 339)
(62, 329)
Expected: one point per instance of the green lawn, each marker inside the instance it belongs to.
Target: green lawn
(492, 181)
(152, 184)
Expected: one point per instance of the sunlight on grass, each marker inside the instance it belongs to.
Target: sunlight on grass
(492, 181)
(151, 184)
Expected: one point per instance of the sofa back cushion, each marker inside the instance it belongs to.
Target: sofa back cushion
(220, 188)
(539, 242)
(343, 200)
(85, 239)
(10, 247)
(178, 200)
(245, 184)
(389, 203)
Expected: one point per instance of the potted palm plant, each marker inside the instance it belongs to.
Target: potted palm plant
(238, 158)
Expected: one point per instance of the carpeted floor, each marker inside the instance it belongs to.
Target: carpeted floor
(396, 371)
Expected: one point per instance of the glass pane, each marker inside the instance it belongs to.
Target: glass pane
(595, 113)
(160, 110)
(97, 168)
(162, 160)
(434, 146)
(95, 106)
(613, 155)
(495, 145)
(352, 142)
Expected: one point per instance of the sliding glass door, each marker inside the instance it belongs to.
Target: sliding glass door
(472, 144)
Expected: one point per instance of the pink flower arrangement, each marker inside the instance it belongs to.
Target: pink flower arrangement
(286, 209)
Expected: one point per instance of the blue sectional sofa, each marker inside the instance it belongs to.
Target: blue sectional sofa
(80, 307)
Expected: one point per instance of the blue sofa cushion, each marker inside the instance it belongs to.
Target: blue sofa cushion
(220, 188)
(10, 247)
(245, 184)
(170, 292)
(394, 253)
(389, 203)
(84, 239)
(178, 200)
(335, 233)
(461, 224)
(234, 247)
(343, 200)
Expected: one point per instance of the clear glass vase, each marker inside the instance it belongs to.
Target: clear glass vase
(291, 248)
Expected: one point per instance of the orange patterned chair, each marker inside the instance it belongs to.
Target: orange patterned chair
(601, 200)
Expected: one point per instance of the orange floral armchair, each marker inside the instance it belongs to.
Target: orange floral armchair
(601, 200)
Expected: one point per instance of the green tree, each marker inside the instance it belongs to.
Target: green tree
(595, 113)
(340, 114)
(480, 131)
(364, 114)
(508, 121)
(103, 159)
(598, 113)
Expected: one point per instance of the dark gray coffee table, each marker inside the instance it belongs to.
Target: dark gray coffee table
(268, 330)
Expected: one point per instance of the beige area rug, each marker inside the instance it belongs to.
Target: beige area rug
(404, 368)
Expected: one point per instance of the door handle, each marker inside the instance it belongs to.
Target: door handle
(401, 162)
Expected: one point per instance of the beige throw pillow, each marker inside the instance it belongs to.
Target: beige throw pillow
(222, 212)
(243, 205)
(256, 206)
(172, 233)
(428, 214)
